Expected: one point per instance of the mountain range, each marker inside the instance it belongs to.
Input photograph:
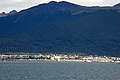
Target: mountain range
(62, 27)
(3, 14)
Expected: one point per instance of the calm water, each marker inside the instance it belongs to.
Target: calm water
(59, 71)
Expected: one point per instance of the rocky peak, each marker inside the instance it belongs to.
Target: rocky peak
(3, 14)
(12, 12)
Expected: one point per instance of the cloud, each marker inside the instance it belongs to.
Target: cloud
(95, 1)
(19, 0)
(8, 5)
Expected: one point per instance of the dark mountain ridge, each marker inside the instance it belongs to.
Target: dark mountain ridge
(117, 6)
(3, 14)
(62, 27)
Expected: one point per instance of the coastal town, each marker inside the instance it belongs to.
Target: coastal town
(58, 57)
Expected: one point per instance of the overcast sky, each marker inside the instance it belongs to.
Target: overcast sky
(8, 5)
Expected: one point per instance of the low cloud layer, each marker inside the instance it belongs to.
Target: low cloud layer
(8, 5)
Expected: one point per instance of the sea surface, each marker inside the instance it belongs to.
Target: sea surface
(59, 71)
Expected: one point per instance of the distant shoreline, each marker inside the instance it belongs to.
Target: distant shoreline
(49, 61)
(58, 58)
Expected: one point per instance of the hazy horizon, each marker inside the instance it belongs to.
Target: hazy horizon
(7, 5)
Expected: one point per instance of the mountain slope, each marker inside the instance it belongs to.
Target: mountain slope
(61, 27)
(117, 6)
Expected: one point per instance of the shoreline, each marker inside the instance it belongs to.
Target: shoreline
(58, 58)
(53, 61)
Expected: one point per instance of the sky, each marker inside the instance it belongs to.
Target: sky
(9, 5)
